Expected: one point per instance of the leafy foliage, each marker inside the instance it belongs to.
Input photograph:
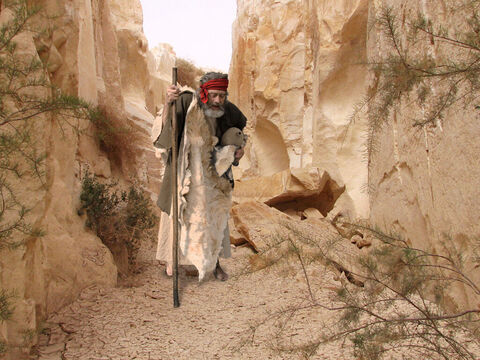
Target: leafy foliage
(29, 104)
(6, 309)
(118, 217)
(99, 200)
(114, 136)
(26, 97)
(425, 67)
(392, 302)
(6, 312)
(403, 306)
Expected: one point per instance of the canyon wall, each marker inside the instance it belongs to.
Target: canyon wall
(424, 180)
(95, 50)
(297, 71)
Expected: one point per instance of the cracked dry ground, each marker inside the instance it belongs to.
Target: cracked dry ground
(136, 320)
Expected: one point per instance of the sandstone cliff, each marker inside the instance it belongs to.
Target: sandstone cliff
(424, 179)
(97, 51)
(297, 71)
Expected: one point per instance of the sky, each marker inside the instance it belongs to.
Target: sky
(199, 30)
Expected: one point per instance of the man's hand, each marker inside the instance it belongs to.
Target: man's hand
(239, 154)
(172, 93)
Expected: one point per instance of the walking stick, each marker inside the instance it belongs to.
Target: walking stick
(176, 303)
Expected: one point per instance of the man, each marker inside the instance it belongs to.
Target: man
(204, 195)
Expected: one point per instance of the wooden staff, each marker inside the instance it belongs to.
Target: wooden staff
(176, 302)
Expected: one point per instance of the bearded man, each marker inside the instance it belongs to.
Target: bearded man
(204, 195)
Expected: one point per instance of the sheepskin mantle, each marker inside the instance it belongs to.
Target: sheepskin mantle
(207, 197)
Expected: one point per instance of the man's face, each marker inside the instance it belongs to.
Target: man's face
(216, 99)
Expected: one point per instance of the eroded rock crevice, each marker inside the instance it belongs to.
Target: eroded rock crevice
(294, 203)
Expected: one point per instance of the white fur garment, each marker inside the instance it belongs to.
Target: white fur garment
(224, 158)
(205, 198)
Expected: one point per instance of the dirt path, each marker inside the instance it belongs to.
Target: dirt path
(137, 320)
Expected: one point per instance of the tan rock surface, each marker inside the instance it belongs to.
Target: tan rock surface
(97, 51)
(296, 189)
(296, 74)
(49, 272)
(312, 213)
(424, 181)
(160, 61)
(272, 232)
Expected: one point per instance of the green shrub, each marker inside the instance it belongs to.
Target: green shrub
(117, 217)
(425, 67)
(396, 304)
(30, 102)
(114, 136)
(99, 200)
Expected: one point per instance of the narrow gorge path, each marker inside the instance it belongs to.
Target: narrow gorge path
(136, 320)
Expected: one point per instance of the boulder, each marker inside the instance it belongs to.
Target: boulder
(298, 72)
(272, 234)
(294, 190)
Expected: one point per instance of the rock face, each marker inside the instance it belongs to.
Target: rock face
(292, 191)
(273, 233)
(50, 271)
(424, 181)
(297, 73)
(95, 50)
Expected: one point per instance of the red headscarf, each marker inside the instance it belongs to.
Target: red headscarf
(215, 84)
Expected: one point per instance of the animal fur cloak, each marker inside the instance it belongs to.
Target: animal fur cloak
(204, 197)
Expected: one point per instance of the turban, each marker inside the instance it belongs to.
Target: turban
(215, 84)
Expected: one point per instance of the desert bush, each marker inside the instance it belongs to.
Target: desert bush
(188, 73)
(29, 103)
(391, 304)
(114, 136)
(426, 67)
(117, 217)
(403, 307)
(26, 96)
(6, 312)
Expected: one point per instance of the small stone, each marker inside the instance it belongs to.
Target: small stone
(50, 349)
(59, 38)
(293, 213)
(363, 242)
(312, 213)
(56, 356)
(355, 239)
(55, 60)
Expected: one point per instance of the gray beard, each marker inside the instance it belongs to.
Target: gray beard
(213, 113)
